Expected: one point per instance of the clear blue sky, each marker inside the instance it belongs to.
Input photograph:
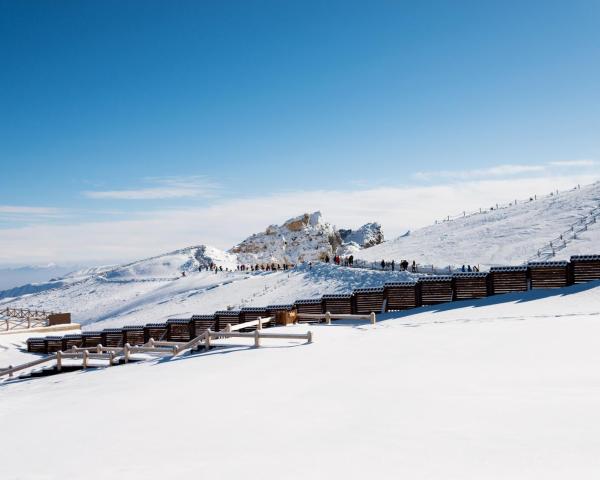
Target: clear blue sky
(112, 96)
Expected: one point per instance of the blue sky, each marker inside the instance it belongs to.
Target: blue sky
(115, 112)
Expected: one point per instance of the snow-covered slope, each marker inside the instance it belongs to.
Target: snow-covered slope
(505, 387)
(121, 297)
(505, 236)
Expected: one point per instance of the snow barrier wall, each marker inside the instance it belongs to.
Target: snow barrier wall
(394, 296)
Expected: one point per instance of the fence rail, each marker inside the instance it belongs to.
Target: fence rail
(152, 347)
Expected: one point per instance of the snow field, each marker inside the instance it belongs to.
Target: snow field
(498, 388)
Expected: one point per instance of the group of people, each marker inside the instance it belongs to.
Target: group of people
(469, 268)
(339, 260)
(265, 267)
(403, 265)
(245, 268)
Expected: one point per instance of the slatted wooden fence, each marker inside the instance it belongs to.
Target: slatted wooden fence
(436, 289)
(509, 279)
(430, 290)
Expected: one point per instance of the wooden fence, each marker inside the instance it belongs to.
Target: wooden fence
(114, 355)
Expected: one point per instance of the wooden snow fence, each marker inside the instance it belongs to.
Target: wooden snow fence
(180, 330)
(509, 279)
(252, 314)
(202, 323)
(585, 268)
(308, 306)
(436, 289)
(367, 300)
(550, 274)
(133, 335)
(112, 337)
(471, 285)
(91, 339)
(72, 340)
(37, 345)
(227, 317)
(284, 314)
(156, 331)
(402, 295)
(340, 303)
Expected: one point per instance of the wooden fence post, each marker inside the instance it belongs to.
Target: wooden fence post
(58, 361)
(328, 318)
(207, 339)
(309, 337)
(228, 327)
(373, 318)
(84, 363)
(10, 374)
(256, 339)
(111, 358)
(99, 348)
(259, 326)
(126, 352)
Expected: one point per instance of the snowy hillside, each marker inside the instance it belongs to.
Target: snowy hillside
(505, 236)
(498, 388)
(117, 298)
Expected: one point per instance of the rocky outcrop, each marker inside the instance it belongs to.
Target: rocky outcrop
(305, 238)
(368, 235)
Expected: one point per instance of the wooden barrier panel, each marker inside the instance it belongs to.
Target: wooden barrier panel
(249, 314)
(157, 331)
(272, 310)
(59, 319)
(402, 295)
(311, 305)
(202, 323)
(54, 344)
(180, 330)
(91, 339)
(338, 303)
(112, 337)
(367, 300)
(471, 285)
(509, 279)
(585, 268)
(37, 345)
(133, 335)
(283, 314)
(436, 289)
(550, 274)
(227, 316)
(72, 340)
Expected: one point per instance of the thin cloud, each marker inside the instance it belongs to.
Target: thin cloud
(164, 188)
(497, 171)
(574, 163)
(22, 213)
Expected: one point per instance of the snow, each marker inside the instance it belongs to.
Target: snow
(506, 236)
(118, 299)
(368, 235)
(503, 387)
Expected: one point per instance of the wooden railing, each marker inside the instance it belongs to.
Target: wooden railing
(172, 349)
(258, 323)
(328, 317)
